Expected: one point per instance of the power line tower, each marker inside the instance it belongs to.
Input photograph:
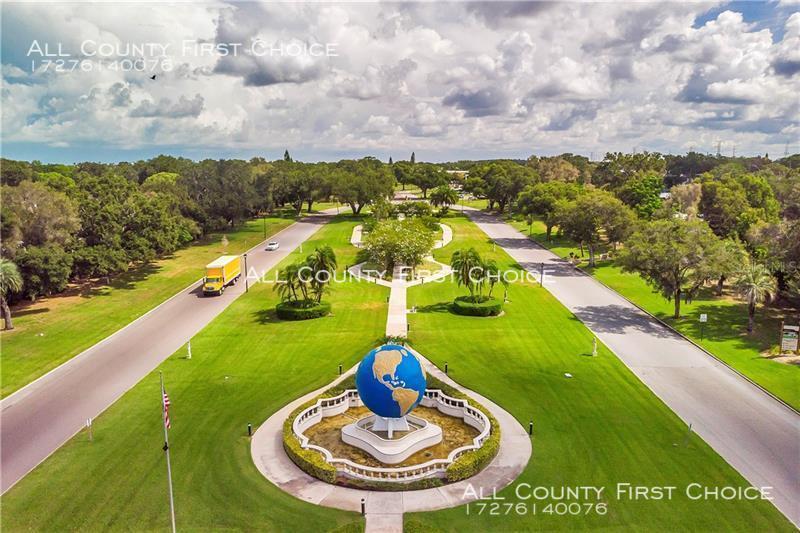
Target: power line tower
(786, 150)
(734, 151)
(719, 148)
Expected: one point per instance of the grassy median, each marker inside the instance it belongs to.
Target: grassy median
(599, 428)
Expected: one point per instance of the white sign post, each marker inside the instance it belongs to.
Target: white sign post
(703, 320)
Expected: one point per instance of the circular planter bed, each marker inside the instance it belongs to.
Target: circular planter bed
(304, 310)
(477, 306)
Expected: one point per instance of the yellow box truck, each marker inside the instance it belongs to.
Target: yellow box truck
(222, 272)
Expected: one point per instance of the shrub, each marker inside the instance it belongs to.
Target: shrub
(472, 462)
(309, 461)
(477, 306)
(302, 310)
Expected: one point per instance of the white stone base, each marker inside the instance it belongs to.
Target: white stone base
(421, 435)
(390, 425)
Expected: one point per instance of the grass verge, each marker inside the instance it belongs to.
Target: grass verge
(725, 334)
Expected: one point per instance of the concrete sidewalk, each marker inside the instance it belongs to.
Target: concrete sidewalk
(756, 434)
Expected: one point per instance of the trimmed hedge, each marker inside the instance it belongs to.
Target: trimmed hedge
(469, 464)
(472, 462)
(302, 310)
(309, 461)
(478, 306)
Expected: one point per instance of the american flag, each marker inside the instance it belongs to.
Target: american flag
(166, 410)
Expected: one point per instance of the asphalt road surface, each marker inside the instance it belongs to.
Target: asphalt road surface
(756, 434)
(39, 418)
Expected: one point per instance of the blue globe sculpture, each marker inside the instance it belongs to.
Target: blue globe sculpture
(390, 381)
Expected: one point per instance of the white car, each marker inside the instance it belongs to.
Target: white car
(272, 245)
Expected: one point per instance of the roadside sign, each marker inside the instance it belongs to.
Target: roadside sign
(789, 336)
(703, 317)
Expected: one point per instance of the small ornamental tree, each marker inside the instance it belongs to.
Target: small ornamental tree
(399, 242)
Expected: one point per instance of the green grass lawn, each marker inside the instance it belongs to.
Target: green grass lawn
(54, 329)
(600, 428)
(725, 334)
(246, 365)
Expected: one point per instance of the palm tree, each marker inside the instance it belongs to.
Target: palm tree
(323, 266)
(10, 281)
(468, 270)
(755, 285)
(493, 275)
(290, 280)
(444, 196)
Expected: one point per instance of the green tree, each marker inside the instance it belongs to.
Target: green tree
(44, 269)
(42, 216)
(503, 180)
(413, 158)
(493, 275)
(755, 285)
(10, 282)
(359, 183)
(286, 156)
(543, 200)
(593, 215)
(322, 267)
(617, 168)
(468, 269)
(428, 176)
(444, 196)
(292, 283)
(642, 194)
(675, 256)
(399, 242)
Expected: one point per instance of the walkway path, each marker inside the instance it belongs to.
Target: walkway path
(384, 510)
(756, 434)
(397, 321)
(39, 418)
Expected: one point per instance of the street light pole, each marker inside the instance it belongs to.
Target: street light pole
(246, 286)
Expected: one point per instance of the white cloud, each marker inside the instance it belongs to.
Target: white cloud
(446, 78)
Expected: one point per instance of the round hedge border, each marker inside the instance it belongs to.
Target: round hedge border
(467, 465)
(301, 310)
(481, 306)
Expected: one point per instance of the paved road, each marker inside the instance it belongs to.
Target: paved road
(757, 435)
(39, 418)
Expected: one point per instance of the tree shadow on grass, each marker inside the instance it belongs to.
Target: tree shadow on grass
(728, 323)
(441, 307)
(267, 316)
(618, 318)
(25, 312)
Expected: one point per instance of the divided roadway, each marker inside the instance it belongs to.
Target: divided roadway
(42, 416)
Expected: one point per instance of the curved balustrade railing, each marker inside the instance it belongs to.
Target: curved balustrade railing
(325, 407)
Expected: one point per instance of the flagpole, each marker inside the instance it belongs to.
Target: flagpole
(166, 450)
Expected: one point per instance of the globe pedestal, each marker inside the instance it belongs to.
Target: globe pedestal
(420, 434)
(390, 425)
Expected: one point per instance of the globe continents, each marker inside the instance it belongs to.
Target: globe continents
(390, 381)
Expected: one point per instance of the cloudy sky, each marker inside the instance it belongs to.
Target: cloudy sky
(448, 81)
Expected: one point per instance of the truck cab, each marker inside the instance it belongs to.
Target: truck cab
(213, 285)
